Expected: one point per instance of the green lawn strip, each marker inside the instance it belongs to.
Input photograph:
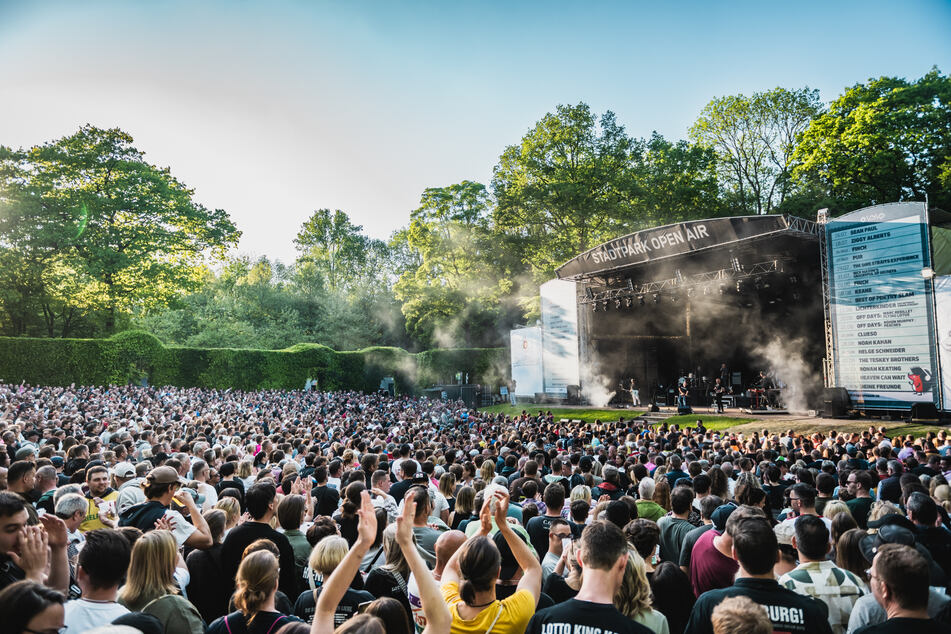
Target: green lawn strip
(713, 423)
(586, 415)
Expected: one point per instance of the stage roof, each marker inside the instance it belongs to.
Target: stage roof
(671, 241)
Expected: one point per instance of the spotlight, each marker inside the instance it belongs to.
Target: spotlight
(640, 300)
(617, 303)
(604, 305)
(739, 286)
(673, 297)
(627, 302)
(722, 289)
(689, 292)
(656, 298)
(594, 307)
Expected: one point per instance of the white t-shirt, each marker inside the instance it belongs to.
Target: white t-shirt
(82, 615)
(211, 496)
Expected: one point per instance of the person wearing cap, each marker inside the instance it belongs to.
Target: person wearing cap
(711, 560)
(755, 549)
(868, 610)
(899, 582)
(130, 489)
(819, 578)
(162, 485)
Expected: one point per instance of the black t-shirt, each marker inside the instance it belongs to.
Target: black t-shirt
(603, 618)
(538, 528)
(558, 589)
(383, 582)
(905, 626)
(241, 536)
(306, 605)
(789, 612)
(326, 500)
(262, 623)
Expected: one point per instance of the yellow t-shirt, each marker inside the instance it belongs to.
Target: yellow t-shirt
(91, 521)
(517, 611)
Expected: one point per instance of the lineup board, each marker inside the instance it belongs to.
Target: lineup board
(882, 306)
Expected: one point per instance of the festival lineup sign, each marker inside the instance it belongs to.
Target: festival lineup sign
(561, 363)
(527, 360)
(882, 307)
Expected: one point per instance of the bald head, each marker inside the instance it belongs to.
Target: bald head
(447, 544)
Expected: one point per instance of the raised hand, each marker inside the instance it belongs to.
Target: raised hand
(501, 507)
(56, 535)
(165, 523)
(33, 552)
(404, 523)
(485, 517)
(296, 486)
(366, 527)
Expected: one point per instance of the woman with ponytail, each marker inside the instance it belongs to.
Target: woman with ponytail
(255, 589)
(347, 517)
(472, 572)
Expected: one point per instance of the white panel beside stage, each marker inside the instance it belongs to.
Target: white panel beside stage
(526, 347)
(942, 298)
(561, 364)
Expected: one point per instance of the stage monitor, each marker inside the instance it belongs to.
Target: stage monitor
(526, 347)
(881, 306)
(561, 364)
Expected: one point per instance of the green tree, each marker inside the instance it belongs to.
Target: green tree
(455, 294)
(754, 139)
(130, 230)
(566, 187)
(882, 141)
(334, 245)
(675, 181)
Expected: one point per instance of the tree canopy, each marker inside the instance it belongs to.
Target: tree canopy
(93, 238)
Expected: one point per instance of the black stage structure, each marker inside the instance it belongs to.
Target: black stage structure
(680, 300)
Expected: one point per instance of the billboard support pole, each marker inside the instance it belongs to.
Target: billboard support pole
(822, 217)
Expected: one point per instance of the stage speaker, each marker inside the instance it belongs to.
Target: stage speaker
(835, 402)
(574, 394)
(924, 411)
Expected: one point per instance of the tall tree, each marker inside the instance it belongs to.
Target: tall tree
(566, 186)
(334, 245)
(754, 138)
(129, 228)
(883, 141)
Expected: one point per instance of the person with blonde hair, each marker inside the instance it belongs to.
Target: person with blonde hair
(833, 508)
(435, 612)
(255, 591)
(232, 509)
(633, 598)
(324, 559)
(151, 588)
(740, 615)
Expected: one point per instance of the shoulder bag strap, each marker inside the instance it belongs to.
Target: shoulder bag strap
(276, 621)
(496, 619)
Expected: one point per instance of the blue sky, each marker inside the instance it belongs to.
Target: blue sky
(273, 109)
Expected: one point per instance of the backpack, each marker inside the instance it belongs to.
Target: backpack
(142, 516)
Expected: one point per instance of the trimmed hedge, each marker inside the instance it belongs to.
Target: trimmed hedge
(132, 355)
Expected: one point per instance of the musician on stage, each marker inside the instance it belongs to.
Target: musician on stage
(718, 391)
(683, 391)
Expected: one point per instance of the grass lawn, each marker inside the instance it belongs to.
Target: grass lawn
(608, 415)
(587, 415)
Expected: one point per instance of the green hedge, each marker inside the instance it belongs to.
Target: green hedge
(130, 356)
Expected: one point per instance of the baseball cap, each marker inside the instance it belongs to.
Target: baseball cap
(509, 564)
(124, 470)
(58, 461)
(721, 515)
(888, 534)
(163, 475)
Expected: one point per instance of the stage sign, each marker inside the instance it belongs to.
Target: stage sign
(560, 336)
(527, 360)
(881, 306)
(942, 300)
(663, 242)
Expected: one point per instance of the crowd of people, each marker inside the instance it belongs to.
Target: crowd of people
(168, 510)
